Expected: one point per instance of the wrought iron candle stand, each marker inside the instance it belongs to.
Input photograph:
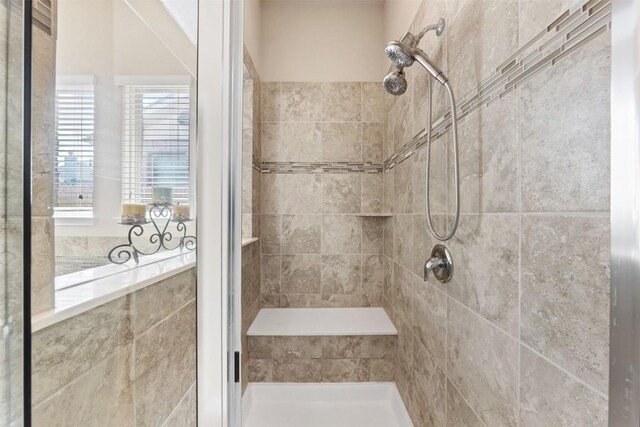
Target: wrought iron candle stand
(161, 238)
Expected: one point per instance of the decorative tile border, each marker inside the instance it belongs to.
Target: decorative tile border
(571, 30)
(43, 16)
(321, 167)
(256, 163)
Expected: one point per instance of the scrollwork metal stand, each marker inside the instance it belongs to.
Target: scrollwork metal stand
(161, 238)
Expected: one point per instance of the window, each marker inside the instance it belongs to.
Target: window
(73, 167)
(156, 140)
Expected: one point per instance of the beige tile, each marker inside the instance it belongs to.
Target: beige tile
(480, 38)
(341, 193)
(373, 102)
(301, 234)
(271, 102)
(186, 413)
(382, 370)
(430, 320)
(346, 347)
(297, 370)
(402, 122)
(154, 303)
(270, 234)
(271, 150)
(372, 193)
(384, 346)
(388, 137)
(271, 190)
(388, 197)
(403, 187)
(486, 274)
(566, 168)
(482, 365)
(389, 276)
(84, 340)
(297, 348)
(565, 293)
(341, 274)
(301, 194)
(260, 347)
(429, 393)
(42, 266)
(404, 284)
(270, 274)
(261, 370)
(372, 135)
(101, 396)
(341, 234)
(301, 142)
(372, 274)
(341, 102)
(536, 15)
(301, 102)
(372, 235)
(388, 237)
(165, 354)
(345, 370)
(459, 413)
(403, 240)
(341, 142)
(438, 176)
(549, 396)
(301, 274)
(489, 158)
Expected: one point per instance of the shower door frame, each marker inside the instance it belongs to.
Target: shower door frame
(219, 169)
(624, 373)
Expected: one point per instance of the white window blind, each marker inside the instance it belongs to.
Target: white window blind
(73, 169)
(155, 142)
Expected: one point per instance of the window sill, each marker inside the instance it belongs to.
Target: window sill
(74, 300)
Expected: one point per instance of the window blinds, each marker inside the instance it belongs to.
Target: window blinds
(73, 169)
(155, 150)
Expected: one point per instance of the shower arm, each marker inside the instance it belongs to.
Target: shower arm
(438, 28)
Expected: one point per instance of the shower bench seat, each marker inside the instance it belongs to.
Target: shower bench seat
(322, 322)
(322, 345)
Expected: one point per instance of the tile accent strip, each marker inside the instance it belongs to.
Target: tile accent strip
(571, 30)
(256, 163)
(321, 167)
(43, 16)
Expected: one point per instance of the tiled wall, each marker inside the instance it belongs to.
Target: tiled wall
(251, 201)
(520, 335)
(322, 157)
(43, 135)
(129, 362)
(322, 359)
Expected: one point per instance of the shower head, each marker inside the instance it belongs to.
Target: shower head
(401, 52)
(395, 83)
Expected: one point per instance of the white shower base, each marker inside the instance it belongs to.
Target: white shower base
(323, 405)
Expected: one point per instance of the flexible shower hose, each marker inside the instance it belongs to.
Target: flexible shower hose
(456, 172)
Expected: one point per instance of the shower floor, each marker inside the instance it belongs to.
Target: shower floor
(323, 405)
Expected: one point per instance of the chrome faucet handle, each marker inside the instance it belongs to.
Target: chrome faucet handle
(440, 263)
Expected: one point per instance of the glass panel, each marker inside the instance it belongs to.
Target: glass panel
(11, 229)
(114, 331)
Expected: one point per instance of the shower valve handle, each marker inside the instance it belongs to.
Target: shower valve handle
(440, 263)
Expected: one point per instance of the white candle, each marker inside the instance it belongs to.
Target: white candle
(133, 213)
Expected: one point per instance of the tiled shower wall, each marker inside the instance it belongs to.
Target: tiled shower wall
(322, 163)
(520, 335)
(251, 199)
(129, 362)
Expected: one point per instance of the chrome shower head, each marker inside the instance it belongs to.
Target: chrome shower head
(404, 52)
(401, 52)
(395, 83)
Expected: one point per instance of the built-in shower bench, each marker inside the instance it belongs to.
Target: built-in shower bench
(322, 345)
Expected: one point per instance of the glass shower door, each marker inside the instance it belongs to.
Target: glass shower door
(11, 212)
